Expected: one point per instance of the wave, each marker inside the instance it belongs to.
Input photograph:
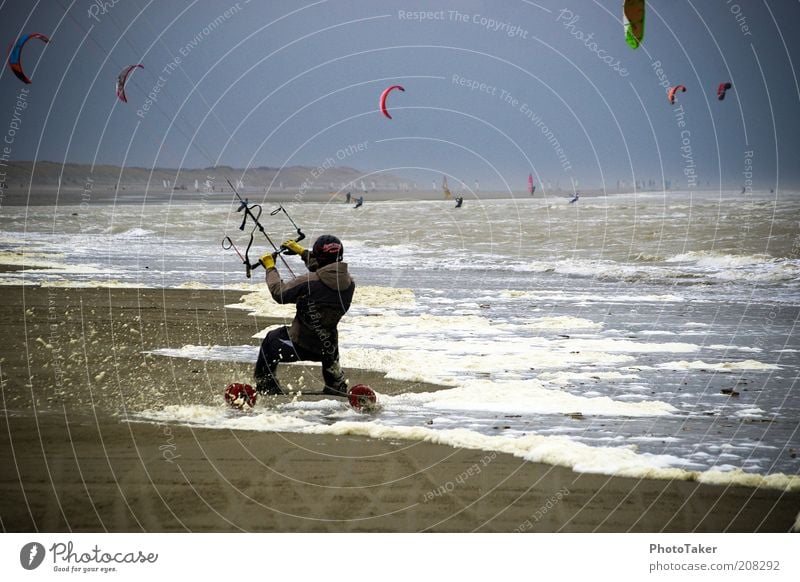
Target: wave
(717, 260)
(132, 233)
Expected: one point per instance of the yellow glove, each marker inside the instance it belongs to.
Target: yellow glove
(292, 247)
(267, 261)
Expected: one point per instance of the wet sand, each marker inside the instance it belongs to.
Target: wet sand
(73, 370)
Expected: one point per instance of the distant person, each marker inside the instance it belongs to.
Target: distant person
(743, 189)
(575, 198)
(347, 198)
(459, 202)
(359, 202)
(533, 189)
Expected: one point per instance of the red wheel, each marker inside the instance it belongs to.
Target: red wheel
(362, 397)
(240, 396)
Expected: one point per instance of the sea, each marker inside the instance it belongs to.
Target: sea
(649, 335)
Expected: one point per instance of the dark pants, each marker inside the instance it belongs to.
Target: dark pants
(277, 347)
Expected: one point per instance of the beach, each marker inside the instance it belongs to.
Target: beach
(539, 266)
(75, 455)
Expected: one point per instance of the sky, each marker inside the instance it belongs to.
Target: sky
(493, 90)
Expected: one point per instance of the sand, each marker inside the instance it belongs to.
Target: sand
(73, 370)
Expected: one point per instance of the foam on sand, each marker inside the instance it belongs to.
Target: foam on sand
(261, 303)
(569, 376)
(622, 461)
(719, 366)
(580, 296)
(246, 354)
(375, 296)
(92, 284)
(44, 262)
(440, 360)
(450, 350)
(560, 451)
(528, 397)
(30, 259)
(559, 324)
(633, 347)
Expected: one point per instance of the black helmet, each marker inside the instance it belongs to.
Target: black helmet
(327, 249)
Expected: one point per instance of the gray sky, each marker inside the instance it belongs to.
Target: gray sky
(286, 82)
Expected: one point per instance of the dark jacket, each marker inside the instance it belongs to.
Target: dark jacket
(322, 296)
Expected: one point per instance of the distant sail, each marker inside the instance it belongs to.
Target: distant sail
(447, 194)
(530, 184)
(363, 187)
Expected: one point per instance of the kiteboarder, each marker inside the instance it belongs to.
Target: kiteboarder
(459, 202)
(347, 198)
(359, 201)
(575, 198)
(322, 297)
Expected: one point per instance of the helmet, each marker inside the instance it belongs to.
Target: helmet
(327, 249)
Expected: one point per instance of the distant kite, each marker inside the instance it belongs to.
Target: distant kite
(383, 99)
(633, 22)
(672, 91)
(122, 78)
(721, 90)
(16, 54)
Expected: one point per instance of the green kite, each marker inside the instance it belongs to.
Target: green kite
(633, 20)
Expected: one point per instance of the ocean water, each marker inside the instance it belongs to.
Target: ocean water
(605, 336)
